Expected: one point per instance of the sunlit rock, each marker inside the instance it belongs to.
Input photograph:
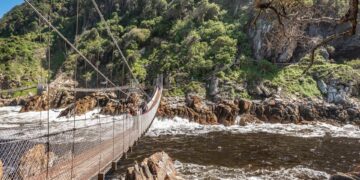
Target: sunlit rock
(159, 166)
(35, 161)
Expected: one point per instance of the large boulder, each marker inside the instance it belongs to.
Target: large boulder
(131, 105)
(58, 99)
(226, 112)
(194, 109)
(244, 106)
(248, 119)
(36, 103)
(81, 106)
(159, 166)
(35, 161)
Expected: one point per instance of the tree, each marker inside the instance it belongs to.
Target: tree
(110, 68)
(87, 77)
(223, 50)
(300, 13)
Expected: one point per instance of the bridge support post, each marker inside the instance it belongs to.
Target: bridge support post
(114, 166)
(101, 176)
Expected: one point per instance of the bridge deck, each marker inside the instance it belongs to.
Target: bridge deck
(84, 153)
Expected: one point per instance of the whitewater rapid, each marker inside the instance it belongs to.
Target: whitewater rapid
(21, 125)
(15, 125)
(179, 126)
(201, 172)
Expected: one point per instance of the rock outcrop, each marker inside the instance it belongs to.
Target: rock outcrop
(269, 42)
(354, 175)
(107, 102)
(13, 102)
(272, 110)
(58, 99)
(35, 161)
(194, 110)
(338, 92)
(130, 105)
(159, 166)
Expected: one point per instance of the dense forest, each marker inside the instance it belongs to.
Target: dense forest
(228, 48)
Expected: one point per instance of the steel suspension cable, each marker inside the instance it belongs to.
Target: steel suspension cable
(99, 119)
(71, 44)
(117, 45)
(75, 78)
(48, 94)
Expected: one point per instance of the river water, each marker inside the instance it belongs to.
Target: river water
(256, 151)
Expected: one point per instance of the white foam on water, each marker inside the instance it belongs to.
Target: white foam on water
(179, 126)
(33, 124)
(201, 172)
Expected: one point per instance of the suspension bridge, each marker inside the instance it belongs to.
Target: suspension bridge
(77, 147)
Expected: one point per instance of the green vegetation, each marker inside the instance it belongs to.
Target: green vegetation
(22, 58)
(355, 64)
(291, 78)
(186, 40)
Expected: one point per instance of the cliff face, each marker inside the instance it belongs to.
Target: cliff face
(289, 41)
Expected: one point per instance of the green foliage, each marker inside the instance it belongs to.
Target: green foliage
(174, 92)
(139, 69)
(24, 93)
(291, 79)
(355, 64)
(195, 87)
(223, 50)
(192, 87)
(21, 59)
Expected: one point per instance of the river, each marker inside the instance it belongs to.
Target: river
(256, 151)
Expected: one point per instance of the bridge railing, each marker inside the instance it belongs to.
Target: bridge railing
(79, 151)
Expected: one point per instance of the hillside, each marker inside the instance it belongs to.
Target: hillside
(208, 47)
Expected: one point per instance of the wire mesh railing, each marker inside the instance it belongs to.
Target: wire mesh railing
(31, 151)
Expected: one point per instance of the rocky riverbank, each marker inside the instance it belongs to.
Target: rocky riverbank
(272, 110)
(159, 166)
(227, 112)
(108, 102)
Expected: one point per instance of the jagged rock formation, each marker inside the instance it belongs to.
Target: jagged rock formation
(130, 105)
(159, 166)
(338, 92)
(108, 102)
(59, 99)
(194, 110)
(271, 110)
(87, 103)
(82, 106)
(35, 161)
(13, 102)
